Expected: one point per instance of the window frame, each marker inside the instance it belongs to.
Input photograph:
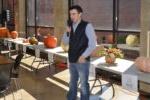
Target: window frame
(115, 29)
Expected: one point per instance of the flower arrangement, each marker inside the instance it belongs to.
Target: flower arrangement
(111, 54)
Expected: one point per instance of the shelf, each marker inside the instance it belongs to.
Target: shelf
(125, 47)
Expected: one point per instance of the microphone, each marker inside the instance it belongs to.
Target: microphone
(69, 24)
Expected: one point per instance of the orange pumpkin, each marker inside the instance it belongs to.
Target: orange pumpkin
(4, 32)
(14, 34)
(143, 64)
(109, 38)
(50, 41)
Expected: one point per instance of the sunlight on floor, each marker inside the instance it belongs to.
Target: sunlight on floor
(120, 93)
(19, 95)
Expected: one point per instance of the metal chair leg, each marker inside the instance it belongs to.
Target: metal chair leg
(3, 95)
(18, 85)
(12, 93)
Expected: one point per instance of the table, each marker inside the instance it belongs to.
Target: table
(120, 66)
(19, 42)
(55, 51)
(8, 42)
(143, 79)
(100, 68)
(58, 51)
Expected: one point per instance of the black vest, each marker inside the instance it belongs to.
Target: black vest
(78, 42)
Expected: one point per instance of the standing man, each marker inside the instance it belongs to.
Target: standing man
(82, 41)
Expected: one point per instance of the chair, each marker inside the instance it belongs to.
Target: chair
(14, 74)
(5, 80)
(4, 84)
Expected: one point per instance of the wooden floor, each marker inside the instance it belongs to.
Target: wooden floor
(53, 85)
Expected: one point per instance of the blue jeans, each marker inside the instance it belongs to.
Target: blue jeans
(79, 70)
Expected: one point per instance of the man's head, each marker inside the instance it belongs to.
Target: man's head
(75, 13)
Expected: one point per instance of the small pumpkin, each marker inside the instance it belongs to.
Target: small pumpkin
(50, 41)
(14, 34)
(143, 64)
(33, 41)
(109, 38)
(4, 32)
(64, 46)
(65, 43)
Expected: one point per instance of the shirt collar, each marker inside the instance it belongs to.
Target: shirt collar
(77, 23)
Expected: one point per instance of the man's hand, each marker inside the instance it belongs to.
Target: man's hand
(81, 59)
(68, 29)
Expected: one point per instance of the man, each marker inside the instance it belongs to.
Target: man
(82, 41)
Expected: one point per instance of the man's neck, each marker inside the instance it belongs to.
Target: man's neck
(77, 22)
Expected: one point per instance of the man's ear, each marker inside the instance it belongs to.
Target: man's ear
(80, 14)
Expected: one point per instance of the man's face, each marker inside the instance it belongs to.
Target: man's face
(75, 15)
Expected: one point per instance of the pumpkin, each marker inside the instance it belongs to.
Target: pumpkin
(65, 43)
(50, 41)
(109, 38)
(14, 34)
(143, 64)
(4, 32)
(132, 40)
(64, 46)
(33, 41)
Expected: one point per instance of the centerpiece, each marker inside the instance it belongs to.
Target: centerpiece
(111, 54)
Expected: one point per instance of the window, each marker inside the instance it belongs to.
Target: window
(113, 20)
(103, 13)
(31, 13)
(98, 12)
(9, 5)
(129, 15)
(39, 15)
(45, 13)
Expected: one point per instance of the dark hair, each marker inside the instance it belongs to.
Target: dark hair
(76, 7)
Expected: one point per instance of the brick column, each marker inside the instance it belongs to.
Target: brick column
(60, 17)
(20, 17)
(145, 26)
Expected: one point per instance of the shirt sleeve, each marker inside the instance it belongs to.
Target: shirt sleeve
(92, 41)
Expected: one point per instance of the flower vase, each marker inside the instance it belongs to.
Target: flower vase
(110, 59)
